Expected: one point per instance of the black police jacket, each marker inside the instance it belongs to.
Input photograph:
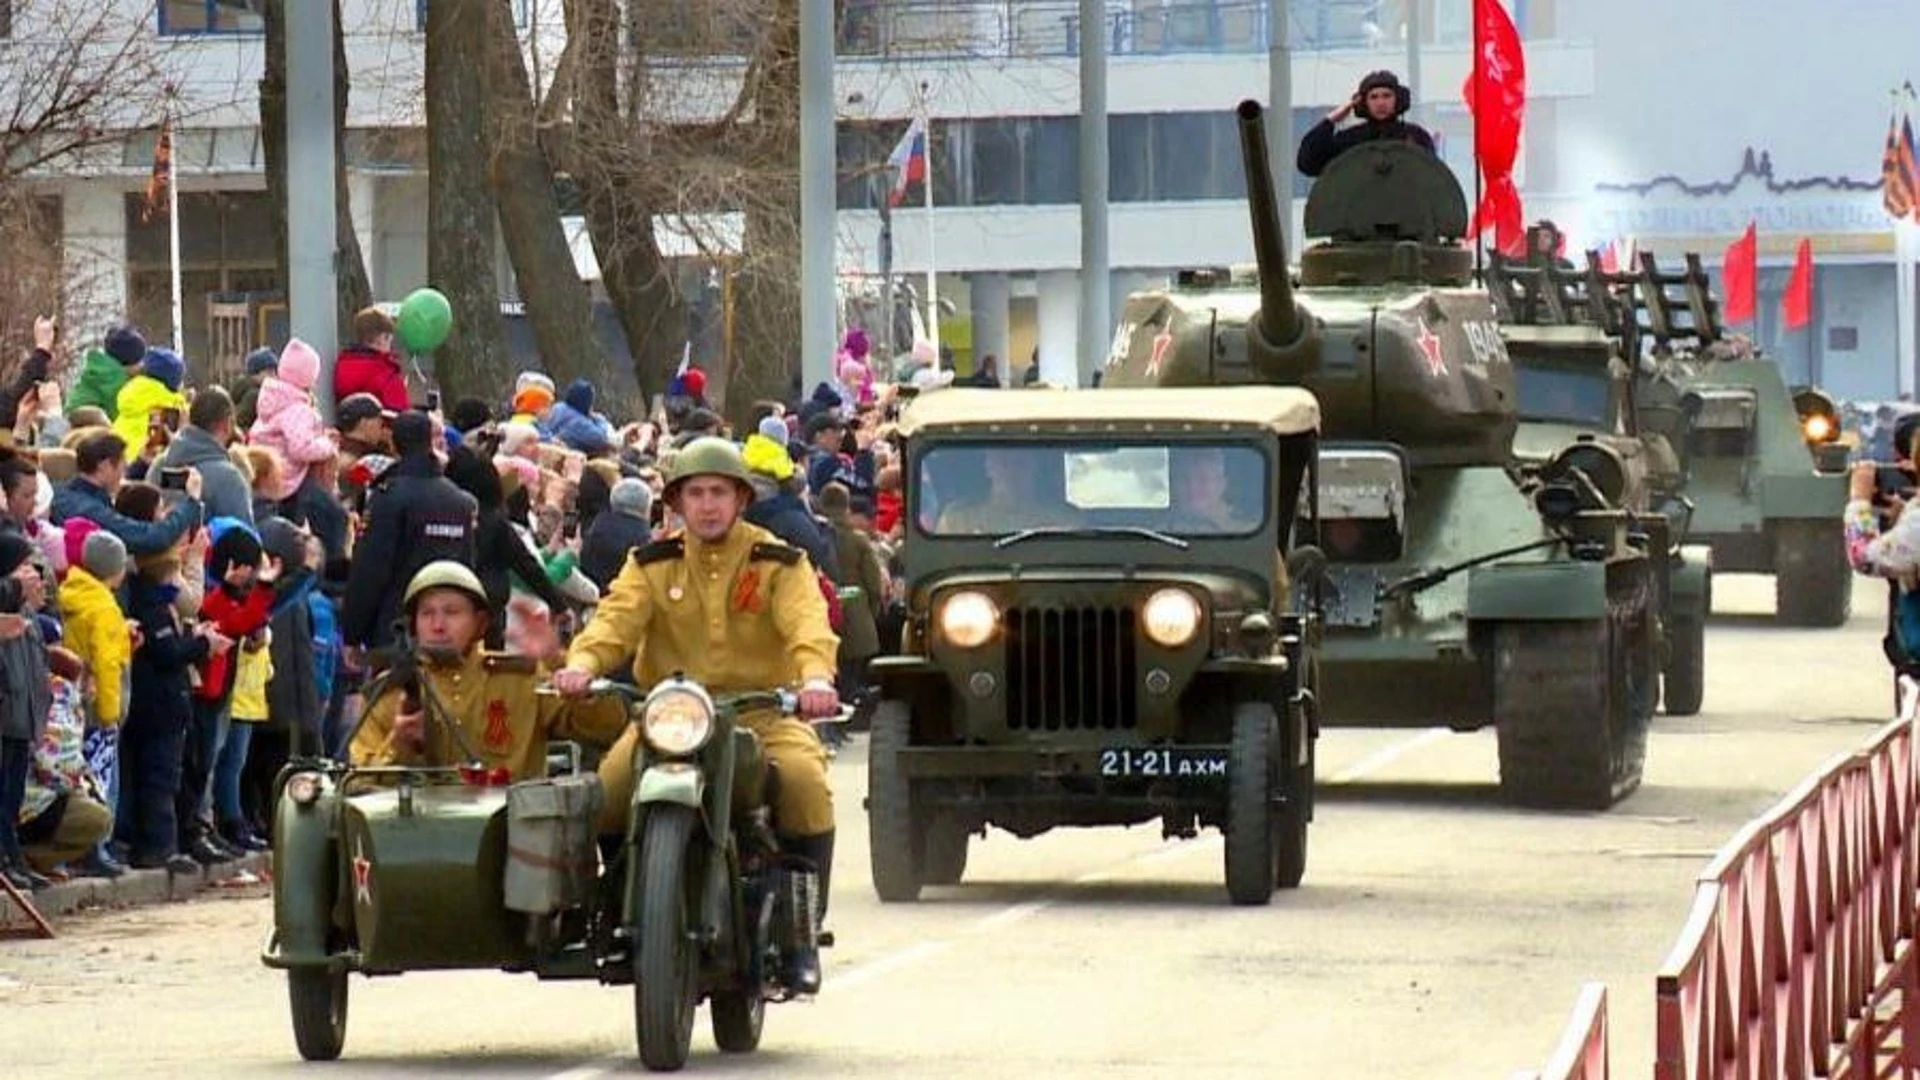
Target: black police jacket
(414, 516)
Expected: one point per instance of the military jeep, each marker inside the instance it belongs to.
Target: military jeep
(1098, 629)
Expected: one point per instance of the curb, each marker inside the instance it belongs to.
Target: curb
(136, 888)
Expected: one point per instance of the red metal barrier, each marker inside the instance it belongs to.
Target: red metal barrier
(1797, 956)
(1581, 1053)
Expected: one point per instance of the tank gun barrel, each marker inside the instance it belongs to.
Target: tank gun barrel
(1280, 320)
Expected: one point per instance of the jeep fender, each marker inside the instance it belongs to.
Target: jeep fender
(1692, 579)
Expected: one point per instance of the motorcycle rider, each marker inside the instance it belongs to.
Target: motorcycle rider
(726, 604)
(490, 696)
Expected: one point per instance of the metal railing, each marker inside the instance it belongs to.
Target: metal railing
(1582, 1050)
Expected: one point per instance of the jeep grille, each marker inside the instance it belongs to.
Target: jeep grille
(1072, 669)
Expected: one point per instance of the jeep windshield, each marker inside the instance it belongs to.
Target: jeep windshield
(1561, 395)
(1152, 491)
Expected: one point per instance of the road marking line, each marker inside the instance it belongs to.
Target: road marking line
(588, 1071)
(879, 966)
(1386, 755)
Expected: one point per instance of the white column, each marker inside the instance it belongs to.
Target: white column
(1124, 284)
(95, 239)
(1059, 336)
(362, 189)
(991, 293)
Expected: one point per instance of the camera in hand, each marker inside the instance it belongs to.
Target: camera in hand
(173, 479)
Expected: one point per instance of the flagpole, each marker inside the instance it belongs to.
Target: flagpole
(1473, 117)
(173, 235)
(933, 300)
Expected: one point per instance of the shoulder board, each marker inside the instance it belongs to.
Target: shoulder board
(509, 664)
(661, 551)
(780, 553)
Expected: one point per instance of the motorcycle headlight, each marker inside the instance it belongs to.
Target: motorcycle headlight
(677, 718)
(1171, 617)
(967, 619)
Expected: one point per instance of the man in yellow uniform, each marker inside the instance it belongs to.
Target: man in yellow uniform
(490, 696)
(728, 605)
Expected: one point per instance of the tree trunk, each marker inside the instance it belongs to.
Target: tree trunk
(558, 307)
(460, 214)
(353, 289)
(619, 208)
(767, 335)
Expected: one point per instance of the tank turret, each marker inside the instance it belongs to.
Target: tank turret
(1382, 323)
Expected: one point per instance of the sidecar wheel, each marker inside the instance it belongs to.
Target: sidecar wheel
(666, 967)
(319, 1000)
(738, 1016)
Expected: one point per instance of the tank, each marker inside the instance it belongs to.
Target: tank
(1461, 589)
(1574, 376)
(1762, 464)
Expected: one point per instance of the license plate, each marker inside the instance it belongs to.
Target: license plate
(1155, 762)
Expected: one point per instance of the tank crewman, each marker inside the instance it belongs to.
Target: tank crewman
(1380, 102)
(726, 604)
(491, 696)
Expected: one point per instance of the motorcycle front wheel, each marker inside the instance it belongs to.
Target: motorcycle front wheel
(666, 967)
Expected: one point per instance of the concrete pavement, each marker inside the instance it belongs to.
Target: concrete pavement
(1438, 934)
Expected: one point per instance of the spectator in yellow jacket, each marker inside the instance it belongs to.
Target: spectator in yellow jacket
(95, 627)
(154, 390)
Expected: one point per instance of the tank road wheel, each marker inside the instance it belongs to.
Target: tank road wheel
(943, 851)
(893, 834)
(319, 1000)
(1812, 580)
(1562, 745)
(666, 966)
(1252, 825)
(1683, 685)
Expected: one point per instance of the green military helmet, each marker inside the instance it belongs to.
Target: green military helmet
(445, 574)
(708, 455)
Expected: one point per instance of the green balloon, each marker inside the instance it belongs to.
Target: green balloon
(425, 320)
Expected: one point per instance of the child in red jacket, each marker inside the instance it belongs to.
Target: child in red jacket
(238, 605)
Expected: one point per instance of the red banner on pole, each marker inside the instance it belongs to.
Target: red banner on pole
(1796, 304)
(1739, 278)
(1496, 94)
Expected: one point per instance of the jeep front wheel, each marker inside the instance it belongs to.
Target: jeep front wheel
(892, 833)
(1251, 856)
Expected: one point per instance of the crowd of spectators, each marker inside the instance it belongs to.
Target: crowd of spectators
(196, 582)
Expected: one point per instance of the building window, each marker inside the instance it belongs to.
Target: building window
(213, 16)
(520, 16)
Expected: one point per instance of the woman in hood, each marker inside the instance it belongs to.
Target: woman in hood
(157, 387)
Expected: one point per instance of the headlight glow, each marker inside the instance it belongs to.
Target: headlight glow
(1171, 617)
(967, 619)
(304, 788)
(1818, 427)
(678, 719)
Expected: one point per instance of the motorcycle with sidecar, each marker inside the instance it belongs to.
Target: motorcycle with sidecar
(383, 870)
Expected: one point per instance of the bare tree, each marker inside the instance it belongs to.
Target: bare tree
(76, 82)
(558, 306)
(354, 290)
(460, 213)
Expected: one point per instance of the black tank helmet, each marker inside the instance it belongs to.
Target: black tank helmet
(1402, 97)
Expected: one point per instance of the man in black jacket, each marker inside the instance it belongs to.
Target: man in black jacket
(626, 525)
(1380, 102)
(415, 516)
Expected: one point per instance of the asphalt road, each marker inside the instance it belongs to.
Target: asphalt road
(1438, 934)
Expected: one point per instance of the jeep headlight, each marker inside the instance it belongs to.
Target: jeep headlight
(1171, 617)
(1819, 416)
(967, 619)
(677, 718)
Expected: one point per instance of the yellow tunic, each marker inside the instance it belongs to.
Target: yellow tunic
(741, 615)
(492, 696)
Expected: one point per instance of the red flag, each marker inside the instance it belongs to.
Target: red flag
(156, 196)
(1739, 274)
(1796, 304)
(1896, 184)
(1496, 93)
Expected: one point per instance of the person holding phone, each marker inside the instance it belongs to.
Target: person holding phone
(1380, 104)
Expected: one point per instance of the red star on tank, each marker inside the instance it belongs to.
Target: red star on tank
(1429, 343)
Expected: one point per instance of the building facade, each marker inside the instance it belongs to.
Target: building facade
(1674, 127)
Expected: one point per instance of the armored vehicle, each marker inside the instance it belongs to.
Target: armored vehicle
(1460, 591)
(1575, 384)
(1098, 629)
(1763, 463)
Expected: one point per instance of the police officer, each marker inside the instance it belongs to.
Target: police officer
(415, 516)
(731, 607)
(490, 696)
(1379, 104)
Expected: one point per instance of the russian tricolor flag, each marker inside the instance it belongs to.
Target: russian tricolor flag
(908, 161)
